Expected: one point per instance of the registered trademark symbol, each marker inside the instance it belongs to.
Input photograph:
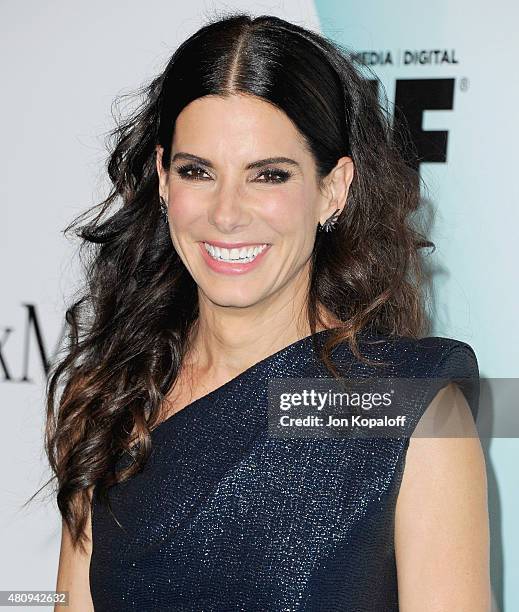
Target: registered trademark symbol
(464, 83)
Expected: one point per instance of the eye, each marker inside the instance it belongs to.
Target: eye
(275, 175)
(190, 172)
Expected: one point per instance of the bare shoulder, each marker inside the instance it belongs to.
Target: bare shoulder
(73, 570)
(441, 517)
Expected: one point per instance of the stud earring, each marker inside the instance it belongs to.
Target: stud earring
(163, 208)
(330, 223)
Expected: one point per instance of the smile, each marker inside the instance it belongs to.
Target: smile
(235, 255)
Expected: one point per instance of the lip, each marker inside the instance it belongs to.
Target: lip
(232, 245)
(224, 267)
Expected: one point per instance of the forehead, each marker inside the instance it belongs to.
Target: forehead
(237, 125)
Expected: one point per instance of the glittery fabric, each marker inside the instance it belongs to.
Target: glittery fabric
(226, 518)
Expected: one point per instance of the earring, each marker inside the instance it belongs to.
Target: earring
(163, 208)
(329, 224)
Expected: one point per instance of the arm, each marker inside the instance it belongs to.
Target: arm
(73, 572)
(441, 517)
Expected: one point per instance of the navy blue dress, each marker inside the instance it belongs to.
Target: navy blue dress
(225, 517)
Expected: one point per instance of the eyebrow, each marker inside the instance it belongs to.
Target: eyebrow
(256, 164)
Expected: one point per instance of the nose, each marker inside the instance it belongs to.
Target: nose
(228, 210)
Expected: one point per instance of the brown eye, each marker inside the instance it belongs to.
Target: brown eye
(191, 172)
(275, 175)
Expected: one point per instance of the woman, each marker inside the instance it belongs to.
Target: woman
(264, 234)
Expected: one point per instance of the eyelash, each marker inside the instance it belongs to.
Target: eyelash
(183, 172)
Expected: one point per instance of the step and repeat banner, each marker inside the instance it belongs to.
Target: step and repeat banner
(448, 66)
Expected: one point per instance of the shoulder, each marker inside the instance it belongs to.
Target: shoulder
(441, 355)
(421, 354)
(413, 357)
(425, 365)
(452, 371)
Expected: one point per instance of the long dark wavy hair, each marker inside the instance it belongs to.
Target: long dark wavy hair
(128, 329)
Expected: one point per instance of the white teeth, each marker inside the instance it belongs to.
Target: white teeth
(243, 255)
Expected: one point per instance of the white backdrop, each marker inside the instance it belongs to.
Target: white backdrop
(63, 63)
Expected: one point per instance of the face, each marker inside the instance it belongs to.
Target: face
(245, 227)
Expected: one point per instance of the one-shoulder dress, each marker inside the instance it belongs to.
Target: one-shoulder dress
(226, 517)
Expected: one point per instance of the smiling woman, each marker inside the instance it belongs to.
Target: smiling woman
(273, 204)
(264, 234)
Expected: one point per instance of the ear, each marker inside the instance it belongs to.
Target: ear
(336, 188)
(161, 173)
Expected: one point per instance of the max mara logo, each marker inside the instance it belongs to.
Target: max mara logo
(33, 345)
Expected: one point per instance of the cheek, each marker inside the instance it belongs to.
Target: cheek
(185, 206)
(288, 210)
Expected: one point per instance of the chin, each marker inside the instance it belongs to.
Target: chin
(230, 297)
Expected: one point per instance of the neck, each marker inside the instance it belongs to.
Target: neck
(223, 347)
